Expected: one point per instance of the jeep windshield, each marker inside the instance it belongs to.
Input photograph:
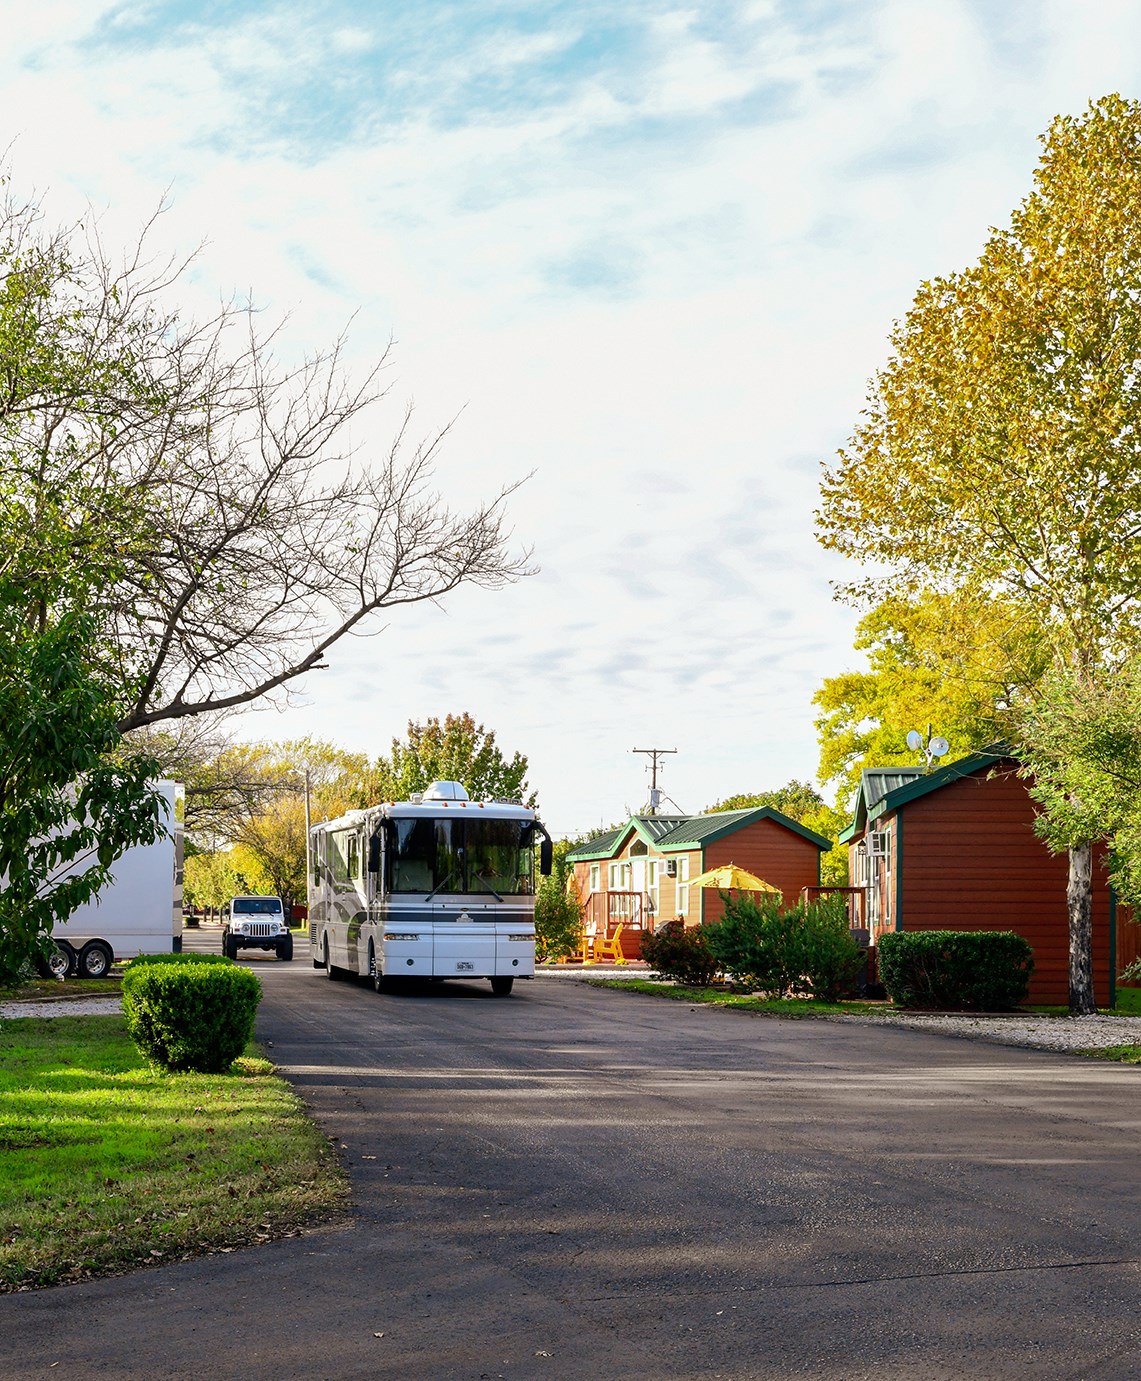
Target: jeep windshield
(256, 906)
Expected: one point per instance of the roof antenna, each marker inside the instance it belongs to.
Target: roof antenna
(931, 748)
(655, 795)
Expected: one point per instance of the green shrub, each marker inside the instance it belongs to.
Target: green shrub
(970, 970)
(804, 949)
(673, 951)
(187, 958)
(558, 921)
(829, 957)
(190, 1016)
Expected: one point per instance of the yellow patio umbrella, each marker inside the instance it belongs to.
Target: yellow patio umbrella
(730, 878)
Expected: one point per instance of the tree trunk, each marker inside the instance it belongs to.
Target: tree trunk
(1079, 899)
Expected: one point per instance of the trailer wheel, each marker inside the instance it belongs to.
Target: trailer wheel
(95, 959)
(60, 963)
(285, 949)
(501, 987)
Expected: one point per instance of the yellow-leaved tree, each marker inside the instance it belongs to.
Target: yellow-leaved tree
(999, 455)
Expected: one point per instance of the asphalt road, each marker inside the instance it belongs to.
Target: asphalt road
(575, 1183)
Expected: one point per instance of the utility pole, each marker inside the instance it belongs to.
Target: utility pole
(654, 754)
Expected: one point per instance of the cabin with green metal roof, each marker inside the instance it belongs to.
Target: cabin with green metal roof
(639, 875)
(955, 849)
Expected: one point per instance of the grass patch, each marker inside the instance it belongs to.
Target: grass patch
(1128, 1002)
(63, 992)
(1119, 1054)
(743, 1002)
(110, 1165)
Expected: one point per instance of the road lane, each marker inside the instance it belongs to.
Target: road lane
(580, 1183)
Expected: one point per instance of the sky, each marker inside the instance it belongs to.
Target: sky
(647, 255)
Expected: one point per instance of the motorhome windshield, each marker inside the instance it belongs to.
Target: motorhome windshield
(459, 855)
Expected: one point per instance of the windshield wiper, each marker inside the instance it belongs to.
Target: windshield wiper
(440, 885)
(489, 887)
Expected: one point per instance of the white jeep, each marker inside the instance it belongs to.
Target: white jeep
(256, 923)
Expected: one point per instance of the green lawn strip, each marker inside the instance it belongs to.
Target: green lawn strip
(1119, 1054)
(742, 1002)
(110, 1165)
(71, 988)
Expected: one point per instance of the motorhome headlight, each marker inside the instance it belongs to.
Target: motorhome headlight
(520, 937)
(399, 935)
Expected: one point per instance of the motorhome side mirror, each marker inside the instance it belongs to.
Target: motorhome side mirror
(374, 853)
(546, 857)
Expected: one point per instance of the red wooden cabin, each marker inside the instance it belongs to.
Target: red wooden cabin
(955, 849)
(639, 875)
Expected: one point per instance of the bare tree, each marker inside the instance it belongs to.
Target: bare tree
(235, 534)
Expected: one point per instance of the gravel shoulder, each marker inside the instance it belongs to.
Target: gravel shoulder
(1036, 1032)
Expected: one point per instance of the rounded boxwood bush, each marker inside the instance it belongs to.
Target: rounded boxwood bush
(190, 1016)
(966, 970)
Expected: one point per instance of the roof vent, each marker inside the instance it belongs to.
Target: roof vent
(446, 791)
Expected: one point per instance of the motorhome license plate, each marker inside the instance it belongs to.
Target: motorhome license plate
(464, 964)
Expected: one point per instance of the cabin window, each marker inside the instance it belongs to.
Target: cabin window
(653, 870)
(683, 886)
(595, 877)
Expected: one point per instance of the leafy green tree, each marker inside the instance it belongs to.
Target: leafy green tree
(454, 749)
(1083, 761)
(67, 802)
(210, 879)
(273, 841)
(1000, 451)
(963, 666)
(796, 800)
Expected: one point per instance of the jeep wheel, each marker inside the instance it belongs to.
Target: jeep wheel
(285, 948)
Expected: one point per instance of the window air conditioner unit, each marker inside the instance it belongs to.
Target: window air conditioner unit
(878, 843)
(671, 867)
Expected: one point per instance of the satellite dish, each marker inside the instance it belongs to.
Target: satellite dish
(915, 740)
(939, 747)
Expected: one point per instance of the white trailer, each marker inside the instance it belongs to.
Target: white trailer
(138, 912)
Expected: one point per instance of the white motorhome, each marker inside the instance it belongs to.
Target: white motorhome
(436, 887)
(138, 912)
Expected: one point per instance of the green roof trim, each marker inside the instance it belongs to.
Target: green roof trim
(932, 781)
(601, 846)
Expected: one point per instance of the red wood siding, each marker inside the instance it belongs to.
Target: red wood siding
(770, 851)
(971, 861)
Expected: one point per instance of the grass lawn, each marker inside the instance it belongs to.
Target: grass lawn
(109, 1165)
(72, 988)
(715, 997)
